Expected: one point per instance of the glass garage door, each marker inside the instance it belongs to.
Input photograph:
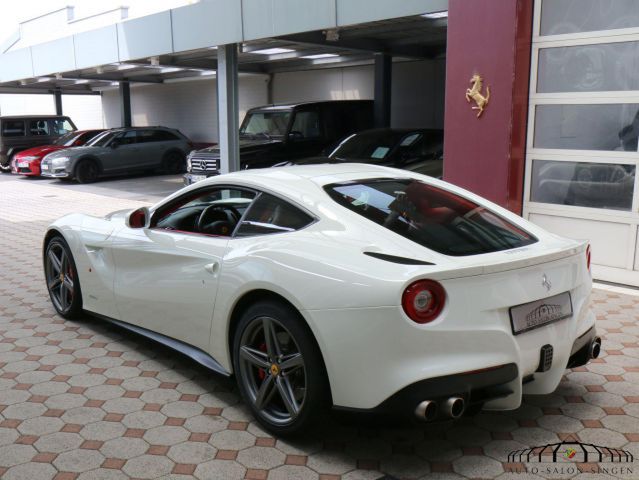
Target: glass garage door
(582, 152)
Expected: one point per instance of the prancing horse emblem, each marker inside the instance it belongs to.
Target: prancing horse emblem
(546, 283)
(474, 93)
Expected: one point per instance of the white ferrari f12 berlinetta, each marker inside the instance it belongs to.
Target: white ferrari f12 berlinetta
(361, 287)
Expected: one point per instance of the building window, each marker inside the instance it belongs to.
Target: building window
(572, 16)
(602, 127)
(583, 184)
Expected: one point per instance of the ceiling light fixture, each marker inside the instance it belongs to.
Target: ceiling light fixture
(321, 55)
(436, 15)
(272, 51)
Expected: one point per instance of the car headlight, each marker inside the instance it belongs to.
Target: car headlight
(188, 159)
(28, 158)
(59, 162)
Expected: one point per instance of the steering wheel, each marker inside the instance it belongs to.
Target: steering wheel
(217, 220)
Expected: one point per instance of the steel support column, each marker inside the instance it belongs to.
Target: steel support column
(228, 108)
(125, 103)
(383, 79)
(57, 97)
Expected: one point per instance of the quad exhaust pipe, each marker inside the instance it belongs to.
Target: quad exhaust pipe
(452, 408)
(426, 410)
(595, 348)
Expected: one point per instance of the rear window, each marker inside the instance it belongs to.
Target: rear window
(13, 128)
(432, 217)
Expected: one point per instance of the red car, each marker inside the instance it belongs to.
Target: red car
(28, 161)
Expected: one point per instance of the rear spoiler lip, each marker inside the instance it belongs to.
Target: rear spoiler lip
(474, 271)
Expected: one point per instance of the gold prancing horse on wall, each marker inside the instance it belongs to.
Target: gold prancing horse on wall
(475, 94)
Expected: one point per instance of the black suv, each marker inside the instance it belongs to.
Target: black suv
(278, 133)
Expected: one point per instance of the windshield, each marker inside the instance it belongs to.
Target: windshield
(375, 145)
(432, 217)
(102, 140)
(267, 124)
(66, 139)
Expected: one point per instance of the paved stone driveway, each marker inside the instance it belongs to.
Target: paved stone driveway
(86, 400)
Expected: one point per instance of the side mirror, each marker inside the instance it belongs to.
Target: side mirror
(138, 218)
(114, 144)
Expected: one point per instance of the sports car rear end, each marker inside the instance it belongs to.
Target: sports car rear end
(490, 308)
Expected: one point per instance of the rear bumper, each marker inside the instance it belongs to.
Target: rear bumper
(374, 356)
(475, 387)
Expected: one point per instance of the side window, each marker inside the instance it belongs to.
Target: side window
(146, 136)
(127, 138)
(60, 126)
(164, 136)
(13, 128)
(38, 128)
(306, 125)
(269, 214)
(214, 211)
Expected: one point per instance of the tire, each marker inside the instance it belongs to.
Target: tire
(6, 168)
(284, 399)
(87, 171)
(174, 163)
(61, 276)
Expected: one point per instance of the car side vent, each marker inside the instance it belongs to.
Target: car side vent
(395, 259)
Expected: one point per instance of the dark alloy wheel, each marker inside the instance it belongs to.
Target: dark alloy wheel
(62, 278)
(87, 171)
(174, 163)
(279, 370)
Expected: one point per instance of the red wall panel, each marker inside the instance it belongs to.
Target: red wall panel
(487, 155)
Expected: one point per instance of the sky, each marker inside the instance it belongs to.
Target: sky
(12, 12)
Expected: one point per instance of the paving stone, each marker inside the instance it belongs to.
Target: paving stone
(102, 431)
(166, 435)
(148, 466)
(40, 426)
(58, 442)
(25, 410)
(193, 453)
(221, 470)
(474, 466)
(123, 405)
(78, 460)
(124, 448)
(182, 409)
(286, 472)
(144, 419)
(30, 471)
(8, 436)
(15, 454)
(261, 458)
(205, 424)
(83, 415)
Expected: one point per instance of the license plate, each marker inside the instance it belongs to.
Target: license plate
(197, 178)
(529, 316)
(23, 164)
(44, 167)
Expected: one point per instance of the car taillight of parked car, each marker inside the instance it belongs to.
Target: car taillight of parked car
(424, 300)
(588, 257)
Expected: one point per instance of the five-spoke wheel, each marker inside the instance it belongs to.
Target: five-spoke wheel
(62, 278)
(279, 371)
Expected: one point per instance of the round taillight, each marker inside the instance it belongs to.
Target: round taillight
(423, 300)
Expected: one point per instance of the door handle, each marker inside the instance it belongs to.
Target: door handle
(212, 267)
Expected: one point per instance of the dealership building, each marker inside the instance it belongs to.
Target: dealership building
(538, 99)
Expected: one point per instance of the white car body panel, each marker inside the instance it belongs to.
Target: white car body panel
(351, 302)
